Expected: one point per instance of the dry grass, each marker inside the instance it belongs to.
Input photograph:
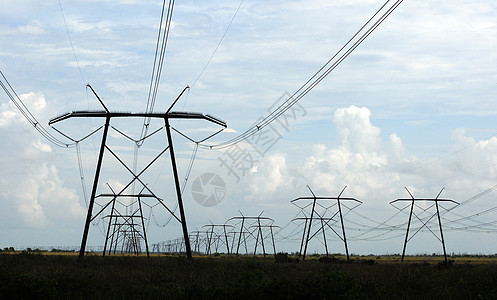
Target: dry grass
(25, 275)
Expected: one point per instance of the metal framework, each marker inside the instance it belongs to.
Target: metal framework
(124, 227)
(323, 220)
(128, 233)
(214, 238)
(199, 238)
(253, 228)
(172, 246)
(413, 201)
(167, 116)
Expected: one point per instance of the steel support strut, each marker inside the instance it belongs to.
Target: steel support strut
(178, 190)
(408, 225)
(143, 226)
(94, 188)
(108, 228)
(440, 225)
(310, 222)
(343, 227)
(240, 237)
(441, 232)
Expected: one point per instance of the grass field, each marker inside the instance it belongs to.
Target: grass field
(32, 275)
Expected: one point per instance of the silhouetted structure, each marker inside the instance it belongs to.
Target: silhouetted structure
(108, 116)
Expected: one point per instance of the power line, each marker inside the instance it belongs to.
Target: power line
(14, 97)
(218, 44)
(70, 41)
(315, 79)
(160, 52)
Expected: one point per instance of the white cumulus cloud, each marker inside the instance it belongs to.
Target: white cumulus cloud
(35, 194)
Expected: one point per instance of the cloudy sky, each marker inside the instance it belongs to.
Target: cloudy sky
(410, 107)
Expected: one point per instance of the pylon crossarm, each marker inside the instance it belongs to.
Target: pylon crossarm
(424, 199)
(265, 226)
(249, 218)
(325, 198)
(127, 195)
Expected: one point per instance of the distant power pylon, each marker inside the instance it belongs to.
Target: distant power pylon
(248, 229)
(413, 201)
(108, 116)
(214, 237)
(124, 228)
(199, 238)
(322, 219)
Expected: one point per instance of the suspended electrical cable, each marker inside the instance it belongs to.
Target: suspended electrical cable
(375, 238)
(477, 224)
(77, 63)
(473, 215)
(324, 71)
(70, 41)
(187, 176)
(485, 192)
(81, 174)
(218, 44)
(189, 168)
(160, 52)
(14, 97)
(387, 229)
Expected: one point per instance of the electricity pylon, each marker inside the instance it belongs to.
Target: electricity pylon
(108, 116)
(253, 227)
(323, 220)
(413, 201)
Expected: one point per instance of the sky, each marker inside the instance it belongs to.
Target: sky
(411, 107)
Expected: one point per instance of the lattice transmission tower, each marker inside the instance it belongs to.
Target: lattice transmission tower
(425, 221)
(320, 210)
(118, 221)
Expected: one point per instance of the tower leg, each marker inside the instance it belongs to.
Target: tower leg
(94, 189)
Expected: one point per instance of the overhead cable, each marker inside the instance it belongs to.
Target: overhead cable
(160, 52)
(379, 16)
(11, 93)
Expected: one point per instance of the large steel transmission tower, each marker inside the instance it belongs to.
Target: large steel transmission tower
(108, 116)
